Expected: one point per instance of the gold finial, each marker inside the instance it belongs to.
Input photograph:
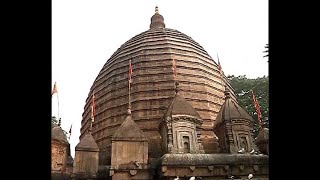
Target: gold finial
(157, 10)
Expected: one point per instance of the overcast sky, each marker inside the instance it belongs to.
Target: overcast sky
(85, 33)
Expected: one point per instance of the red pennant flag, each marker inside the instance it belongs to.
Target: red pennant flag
(55, 90)
(257, 106)
(174, 68)
(93, 108)
(130, 71)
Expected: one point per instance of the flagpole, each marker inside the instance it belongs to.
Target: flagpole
(257, 106)
(221, 74)
(175, 74)
(55, 90)
(92, 112)
(223, 84)
(129, 85)
(58, 105)
(70, 132)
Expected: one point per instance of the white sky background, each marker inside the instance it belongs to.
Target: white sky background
(85, 33)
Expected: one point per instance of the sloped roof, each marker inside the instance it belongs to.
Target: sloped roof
(58, 134)
(180, 106)
(231, 110)
(129, 130)
(263, 135)
(87, 143)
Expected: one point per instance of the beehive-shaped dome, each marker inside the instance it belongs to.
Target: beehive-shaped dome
(152, 89)
(58, 135)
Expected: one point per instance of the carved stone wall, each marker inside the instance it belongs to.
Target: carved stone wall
(86, 162)
(124, 152)
(58, 157)
(235, 135)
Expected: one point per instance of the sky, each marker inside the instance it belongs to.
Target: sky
(85, 33)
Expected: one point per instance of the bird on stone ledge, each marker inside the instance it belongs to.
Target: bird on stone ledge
(250, 176)
(177, 178)
(192, 178)
(241, 150)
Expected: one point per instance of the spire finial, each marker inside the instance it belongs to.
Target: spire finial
(59, 123)
(157, 20)
(177, 87)
(129, 86)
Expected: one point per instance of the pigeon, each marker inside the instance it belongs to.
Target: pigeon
(241, 150)
(230, 177)
(177, 178)
(192, 178)
(137, 163)
(252, 151)
(250, 176)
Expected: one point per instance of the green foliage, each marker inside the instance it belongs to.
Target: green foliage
(242, 89)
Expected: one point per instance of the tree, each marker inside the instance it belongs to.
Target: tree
(242, 89)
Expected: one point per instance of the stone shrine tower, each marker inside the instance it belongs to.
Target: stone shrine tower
(180, 129)
(86, 159)
(234, 127)
(129, 157)
(59, 145)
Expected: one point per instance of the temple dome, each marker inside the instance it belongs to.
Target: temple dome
(152, 53)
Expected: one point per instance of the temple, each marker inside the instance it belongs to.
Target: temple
(177, 117)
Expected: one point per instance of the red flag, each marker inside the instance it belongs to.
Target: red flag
(174, 68)
(257, 106)
(93, 108)
(55, 90)
(130, 71)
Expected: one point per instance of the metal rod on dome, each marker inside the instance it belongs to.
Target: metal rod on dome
(129, 84)
(223, 84)
(58, 106)
(55, 91)
(129, 106)
(92, 113)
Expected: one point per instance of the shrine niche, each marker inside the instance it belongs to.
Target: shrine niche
(234, 128)
(180, 128)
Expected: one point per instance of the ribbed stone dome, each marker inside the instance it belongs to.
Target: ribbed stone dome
(153, 87)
